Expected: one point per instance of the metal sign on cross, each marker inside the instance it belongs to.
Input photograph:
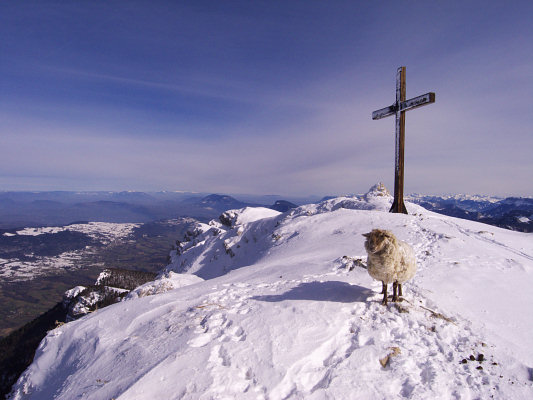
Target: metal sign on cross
(398, 109)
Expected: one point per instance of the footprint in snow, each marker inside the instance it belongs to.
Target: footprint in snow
(201, 340)
(237, 334)
(219, 355)
(209, 328)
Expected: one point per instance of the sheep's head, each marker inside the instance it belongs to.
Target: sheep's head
(377, 240)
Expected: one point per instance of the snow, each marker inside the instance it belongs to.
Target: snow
(40, 231)
(71, 293)
(84, 303)
(280, 316)
(460, 197)
(169, 281)
(250, 214)
(102, 276)
(15, 270)
(20, 270)
(106, 231)
(525, 220)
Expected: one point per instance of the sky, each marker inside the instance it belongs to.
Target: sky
(264, 97)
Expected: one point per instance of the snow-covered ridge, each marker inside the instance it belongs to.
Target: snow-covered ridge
(280, 316)
(243, 236)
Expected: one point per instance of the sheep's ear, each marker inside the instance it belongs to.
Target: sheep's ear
(366, 234)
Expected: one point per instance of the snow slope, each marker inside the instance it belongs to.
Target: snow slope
(280, 316)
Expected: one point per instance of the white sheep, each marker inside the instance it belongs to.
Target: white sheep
(390, 260)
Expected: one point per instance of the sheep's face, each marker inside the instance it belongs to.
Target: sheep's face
(376, 240)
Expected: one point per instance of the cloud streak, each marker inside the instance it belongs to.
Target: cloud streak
(264, 98)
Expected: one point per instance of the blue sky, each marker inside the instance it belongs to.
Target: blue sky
(264, 97)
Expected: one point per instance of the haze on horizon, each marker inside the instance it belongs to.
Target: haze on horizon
(264, 97)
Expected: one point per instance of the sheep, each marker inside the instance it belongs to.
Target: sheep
(389, 260)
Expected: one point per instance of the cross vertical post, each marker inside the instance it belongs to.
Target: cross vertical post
(398, 109)
(398, 205)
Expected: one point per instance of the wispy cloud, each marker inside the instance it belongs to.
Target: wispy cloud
(265, 98)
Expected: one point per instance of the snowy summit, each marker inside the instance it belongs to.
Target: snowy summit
(269, 305)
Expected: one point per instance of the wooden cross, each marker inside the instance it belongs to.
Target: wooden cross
(398, 109)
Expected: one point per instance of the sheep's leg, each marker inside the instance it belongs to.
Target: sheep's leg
(384, 301)
(394, 291)
(383, 287)
(400, 290)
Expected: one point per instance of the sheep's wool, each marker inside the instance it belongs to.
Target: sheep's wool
(389, 259)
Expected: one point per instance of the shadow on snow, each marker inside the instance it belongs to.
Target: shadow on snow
(336, 291)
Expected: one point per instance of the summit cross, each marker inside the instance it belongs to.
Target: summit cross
(398, 109)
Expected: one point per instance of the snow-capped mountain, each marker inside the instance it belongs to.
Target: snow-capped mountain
(473, 203)
(264, 306)
(515, 213)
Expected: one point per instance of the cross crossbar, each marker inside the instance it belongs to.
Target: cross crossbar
(407, 105)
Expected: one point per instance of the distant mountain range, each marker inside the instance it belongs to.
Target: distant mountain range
(22, 209)
(515, 213)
